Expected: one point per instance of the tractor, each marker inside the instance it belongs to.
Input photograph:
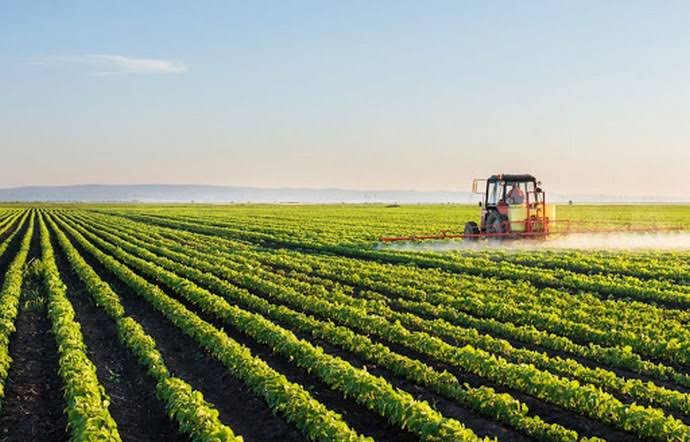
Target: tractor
(512, 206)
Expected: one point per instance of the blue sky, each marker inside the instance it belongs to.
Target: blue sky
(593, 97)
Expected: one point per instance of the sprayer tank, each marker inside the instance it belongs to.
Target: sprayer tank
(517, 215)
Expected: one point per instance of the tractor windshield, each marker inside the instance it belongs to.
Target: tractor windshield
(517, 192)
(509, 192)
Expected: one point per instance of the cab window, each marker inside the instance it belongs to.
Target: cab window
(495, 193)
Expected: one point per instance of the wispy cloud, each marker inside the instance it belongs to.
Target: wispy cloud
(113, 64)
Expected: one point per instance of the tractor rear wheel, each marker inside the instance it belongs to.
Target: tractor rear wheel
(471, 228)
(497, 225)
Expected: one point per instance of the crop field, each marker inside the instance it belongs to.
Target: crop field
(292, 323)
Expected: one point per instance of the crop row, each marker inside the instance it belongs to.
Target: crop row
(375, 393)
(473, 311)
(284, 397)
(9, 302)
(622, 286)
(498, 406)
(646, 392)
(582, 398)
(653, 267)
(478, 312)
(667, 340)
(194, 415)
(547, 298)
(88, 417)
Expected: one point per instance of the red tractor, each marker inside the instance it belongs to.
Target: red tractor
(512, 206)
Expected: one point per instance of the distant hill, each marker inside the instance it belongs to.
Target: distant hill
(156, 193)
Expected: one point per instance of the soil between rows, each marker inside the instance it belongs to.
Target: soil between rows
(481, 425)
(565, 355)
(602, 293)
(518, 344)
(551, 413)
(358, 417)
(33, 405)
(160, 220)
(12, 249)
(140, 416)
(589, 363)
(583, 425)
(551, 353)
(248, 415)
(4, 235)
(316, 250)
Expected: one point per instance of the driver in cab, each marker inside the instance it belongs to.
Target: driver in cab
(515, 195)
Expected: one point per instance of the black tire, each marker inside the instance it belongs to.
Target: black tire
(471, 228)
(497, 225)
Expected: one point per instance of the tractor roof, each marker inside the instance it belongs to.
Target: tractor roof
(513, 178)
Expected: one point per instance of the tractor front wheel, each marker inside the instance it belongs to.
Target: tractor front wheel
(471, 229)
(497, 225)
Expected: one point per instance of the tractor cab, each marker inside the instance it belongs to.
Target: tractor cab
(511, 204)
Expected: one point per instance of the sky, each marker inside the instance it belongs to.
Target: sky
(591, 97)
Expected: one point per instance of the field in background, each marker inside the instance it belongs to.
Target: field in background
(291, 323)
